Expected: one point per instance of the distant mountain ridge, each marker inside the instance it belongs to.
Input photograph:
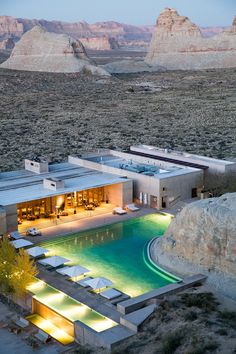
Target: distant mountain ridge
(111, 34)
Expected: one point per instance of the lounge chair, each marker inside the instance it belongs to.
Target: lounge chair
(110, 294)
(22, 322)
(132, 207)
(42, 336)
(82, 282)
(119, 211)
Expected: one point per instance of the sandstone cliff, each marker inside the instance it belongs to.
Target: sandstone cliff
(124, 34)
(203, 238)
(7, 44)
(39, 50)
(99, 43)
(10, 28)
(177, 43)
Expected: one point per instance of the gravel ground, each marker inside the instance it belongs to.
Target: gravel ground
(55, 115)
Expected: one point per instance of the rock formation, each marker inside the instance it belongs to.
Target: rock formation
(202, 238)
(39, 50)
(122, 33)
(7, 44)
(99, 43)
(10, 28)
(178, 44)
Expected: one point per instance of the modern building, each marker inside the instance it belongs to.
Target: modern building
(44, 192)
(157, 183)
(98, 181)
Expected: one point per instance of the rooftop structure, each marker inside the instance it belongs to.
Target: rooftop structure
(157, 183)
(27, 195)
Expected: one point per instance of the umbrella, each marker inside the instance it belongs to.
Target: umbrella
(75, 271)
(21, 243)
(54, 261)
(36, 251)
(15, 235)
(99, 283)
(62, 270)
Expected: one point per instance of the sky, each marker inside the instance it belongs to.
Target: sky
(136, 12)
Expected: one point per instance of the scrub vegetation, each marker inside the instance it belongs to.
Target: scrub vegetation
(54, 115)
(194, 322)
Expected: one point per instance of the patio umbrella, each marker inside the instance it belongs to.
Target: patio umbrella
(99, 283)
(16, 235)
(75, 271)
(21, 243)
(54, 261)
(36, 251)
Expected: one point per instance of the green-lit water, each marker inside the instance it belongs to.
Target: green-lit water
(68, 307)
(116, 252)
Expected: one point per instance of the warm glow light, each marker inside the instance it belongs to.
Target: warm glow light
(102, 325)
(36, 286)
(50, 329)
(54, 297)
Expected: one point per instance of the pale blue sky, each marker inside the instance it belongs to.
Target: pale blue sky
(140, 12)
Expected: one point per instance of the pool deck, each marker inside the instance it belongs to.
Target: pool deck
(87, 224)
(94, 301)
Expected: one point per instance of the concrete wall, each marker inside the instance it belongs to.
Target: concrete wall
(176, 188)
(11, 218)
(119, 194)
(179, 185)
(36, 167)
(3, 221)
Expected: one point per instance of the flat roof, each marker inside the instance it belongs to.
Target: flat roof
(128, 163)
(178, 154)
(22, 186)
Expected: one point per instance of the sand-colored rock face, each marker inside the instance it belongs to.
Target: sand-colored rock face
(205, 233)
(7, 44)
(39, 50)
(10, 27)
(177, 43)
(99, 43)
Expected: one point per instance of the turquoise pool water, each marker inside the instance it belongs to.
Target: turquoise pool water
(117, 252)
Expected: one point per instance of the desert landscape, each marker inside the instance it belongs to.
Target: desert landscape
(70, 88)
(55, 115)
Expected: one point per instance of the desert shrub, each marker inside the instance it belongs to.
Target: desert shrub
(228, 317)
(205, 301)
(201, 348)
(172, 341)
(222, 332)
(190, 316)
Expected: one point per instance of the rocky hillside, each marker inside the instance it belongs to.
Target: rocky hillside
(178, 44)
(125, 35)
(39, 50)
(202, 238)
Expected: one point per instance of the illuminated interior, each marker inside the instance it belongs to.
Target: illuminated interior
(49, 328)
(48, 300)
(60, 209)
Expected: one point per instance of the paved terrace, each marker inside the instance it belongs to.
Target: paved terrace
(90, 222)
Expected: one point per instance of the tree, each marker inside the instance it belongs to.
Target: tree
(25, 270)
(16, 270)
(7, 259)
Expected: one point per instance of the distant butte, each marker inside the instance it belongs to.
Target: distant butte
(39, 50)
(178, 44)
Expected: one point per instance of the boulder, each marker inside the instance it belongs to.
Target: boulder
(39, 50)
(202, 238)
(178, 44)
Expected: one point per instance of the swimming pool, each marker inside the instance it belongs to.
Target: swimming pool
(117, 252)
